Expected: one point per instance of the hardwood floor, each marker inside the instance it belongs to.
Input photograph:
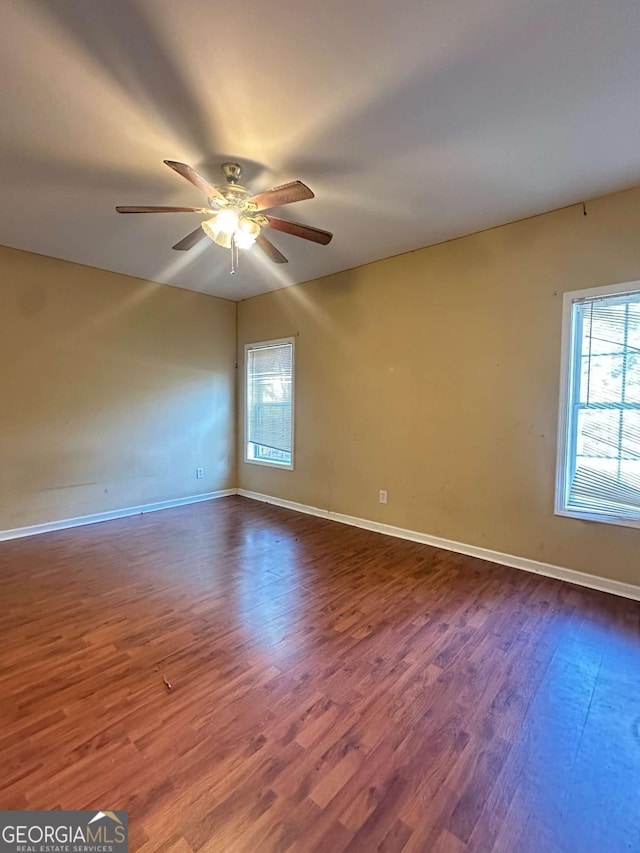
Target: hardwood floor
(332, 690)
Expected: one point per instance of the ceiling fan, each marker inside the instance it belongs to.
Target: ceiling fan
(235, 219)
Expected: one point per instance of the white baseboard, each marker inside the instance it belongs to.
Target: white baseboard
(63, 524)
(625, 590)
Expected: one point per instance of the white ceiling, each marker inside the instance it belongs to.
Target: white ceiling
(413, 122)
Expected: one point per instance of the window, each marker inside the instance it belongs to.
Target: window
(599, 435)
(269, 403)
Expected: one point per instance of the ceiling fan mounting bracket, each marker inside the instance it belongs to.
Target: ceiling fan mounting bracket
(232, 172)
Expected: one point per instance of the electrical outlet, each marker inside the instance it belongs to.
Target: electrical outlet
(199, 473)
(383, 496)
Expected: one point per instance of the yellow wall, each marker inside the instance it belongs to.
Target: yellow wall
(113, 390)
(435, 375)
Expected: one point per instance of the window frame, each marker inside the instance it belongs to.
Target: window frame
(567, 423)
(257, 345)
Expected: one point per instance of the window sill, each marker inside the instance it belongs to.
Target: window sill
(265, 464)
(585, 515)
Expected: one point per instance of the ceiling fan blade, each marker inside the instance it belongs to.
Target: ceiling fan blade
(190, 240)
(270, 250)
(130, 209)
(293, 191)
(197, 180)
(307, 232)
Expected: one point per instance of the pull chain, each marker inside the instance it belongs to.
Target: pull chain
(234, 255)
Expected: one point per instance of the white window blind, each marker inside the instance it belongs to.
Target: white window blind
(269, 403)
(601, 464)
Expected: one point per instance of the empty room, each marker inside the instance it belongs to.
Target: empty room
(319, 426)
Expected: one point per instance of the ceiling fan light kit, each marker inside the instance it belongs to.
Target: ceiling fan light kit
(235, 220)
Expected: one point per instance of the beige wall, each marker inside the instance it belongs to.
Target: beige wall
(113, 390)
(435, 375)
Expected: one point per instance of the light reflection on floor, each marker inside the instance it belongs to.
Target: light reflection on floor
(266, 609)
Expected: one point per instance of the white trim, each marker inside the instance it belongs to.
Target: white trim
(64, 524)
(568, 380)
(245, 412)
(625, 590)
(566, 359)
(592, 515)
(620, 287)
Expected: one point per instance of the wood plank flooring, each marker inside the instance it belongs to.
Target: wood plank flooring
(332, 690)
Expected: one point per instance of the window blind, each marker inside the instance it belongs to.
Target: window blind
(603, 461)
(269, 400)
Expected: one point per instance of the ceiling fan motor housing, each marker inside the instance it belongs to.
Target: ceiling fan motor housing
(233, 193)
